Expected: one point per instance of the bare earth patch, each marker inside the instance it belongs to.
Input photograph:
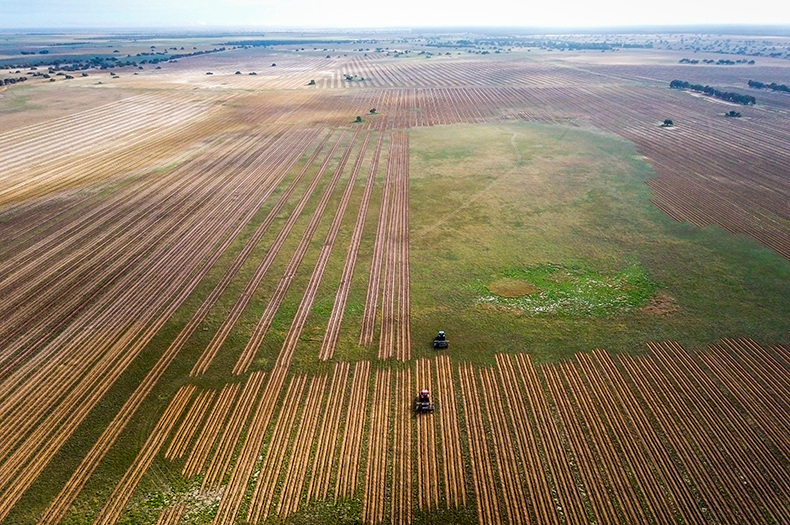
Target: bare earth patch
(511, 288)
(661, 305)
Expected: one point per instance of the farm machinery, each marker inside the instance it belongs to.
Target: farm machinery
(424, 403)
(441, 341)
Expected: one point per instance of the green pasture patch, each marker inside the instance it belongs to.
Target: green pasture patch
(555, 290)
(543, 239)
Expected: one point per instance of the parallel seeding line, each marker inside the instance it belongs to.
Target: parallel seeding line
(341, 298)
(402, 488)
(296, 473)
(210, 431)
(189, 426)
(525, 439)
(289, 345)
(375, 491)
(483, 476)
(123, 492)
(450, 434)
(428, 479)
(351, 446)
(274, 452)
(327, 442)
(171, 515)
(232, 432)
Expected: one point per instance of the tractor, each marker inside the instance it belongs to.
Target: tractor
(424, 403)
(441, 341)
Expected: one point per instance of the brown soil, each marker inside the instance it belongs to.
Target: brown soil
(661, 305)
(511, 288)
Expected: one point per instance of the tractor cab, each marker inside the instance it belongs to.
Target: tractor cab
(441, 340)
(424, 403)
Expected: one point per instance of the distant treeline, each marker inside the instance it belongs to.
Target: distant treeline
(773, 86)
(76, 63)
(713, 92)
(719, 62)
(291, 42)
(7, 81)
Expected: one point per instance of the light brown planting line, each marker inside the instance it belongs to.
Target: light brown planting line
(273, 455)
(522, 414)
(374, 282)
(450, 435)
(327, 442)
(675, 477)
(171, 515)
(227, 443)
(248, 457)
(387, 341)
(341, 298)
(289, 345)
(428, 479)
(123, 492)
(568, 501)
(374, 498)
(594, 482)
(189, 426)
(210, 431)
(402, 487)
(89, 464)
(515, 500)
(483, 477)
(229, 322)
(293, 485)
(300, 318)
(351, 446)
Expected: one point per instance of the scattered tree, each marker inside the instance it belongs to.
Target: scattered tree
(373, 111)
(733, 113)
(667, 123)
(358, 119)
(311, 83)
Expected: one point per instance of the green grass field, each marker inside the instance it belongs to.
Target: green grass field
(565, 213)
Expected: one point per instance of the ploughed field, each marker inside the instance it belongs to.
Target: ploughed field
(218, 292)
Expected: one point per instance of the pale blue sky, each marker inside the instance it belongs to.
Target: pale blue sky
(15, 14)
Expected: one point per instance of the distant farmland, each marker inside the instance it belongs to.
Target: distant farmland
(218, 291)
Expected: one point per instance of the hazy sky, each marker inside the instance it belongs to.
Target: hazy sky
(16, 14)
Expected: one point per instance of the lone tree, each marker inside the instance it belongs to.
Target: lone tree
(373, 111)
(358, 119)
(733, 113)
(667, 123)
(311, 83)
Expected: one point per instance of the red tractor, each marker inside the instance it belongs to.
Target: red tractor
(424, 403)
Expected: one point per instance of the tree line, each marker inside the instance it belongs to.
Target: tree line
(729, 96)
(773, 86)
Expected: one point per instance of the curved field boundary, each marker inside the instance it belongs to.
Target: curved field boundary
(299, 461)
(302, 312)
(375, 492)
(289, 346)
(428, 479)
(483, 476)
(274, 453)
(227, 443)
(453, 471)
(211, 429)
(222, 333)
(192, 421)
(78, 480)
(349, 460)
(525, 438)
(341, 298)
(326, 445)
(123, 492)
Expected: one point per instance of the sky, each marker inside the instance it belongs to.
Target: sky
(28, 14)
